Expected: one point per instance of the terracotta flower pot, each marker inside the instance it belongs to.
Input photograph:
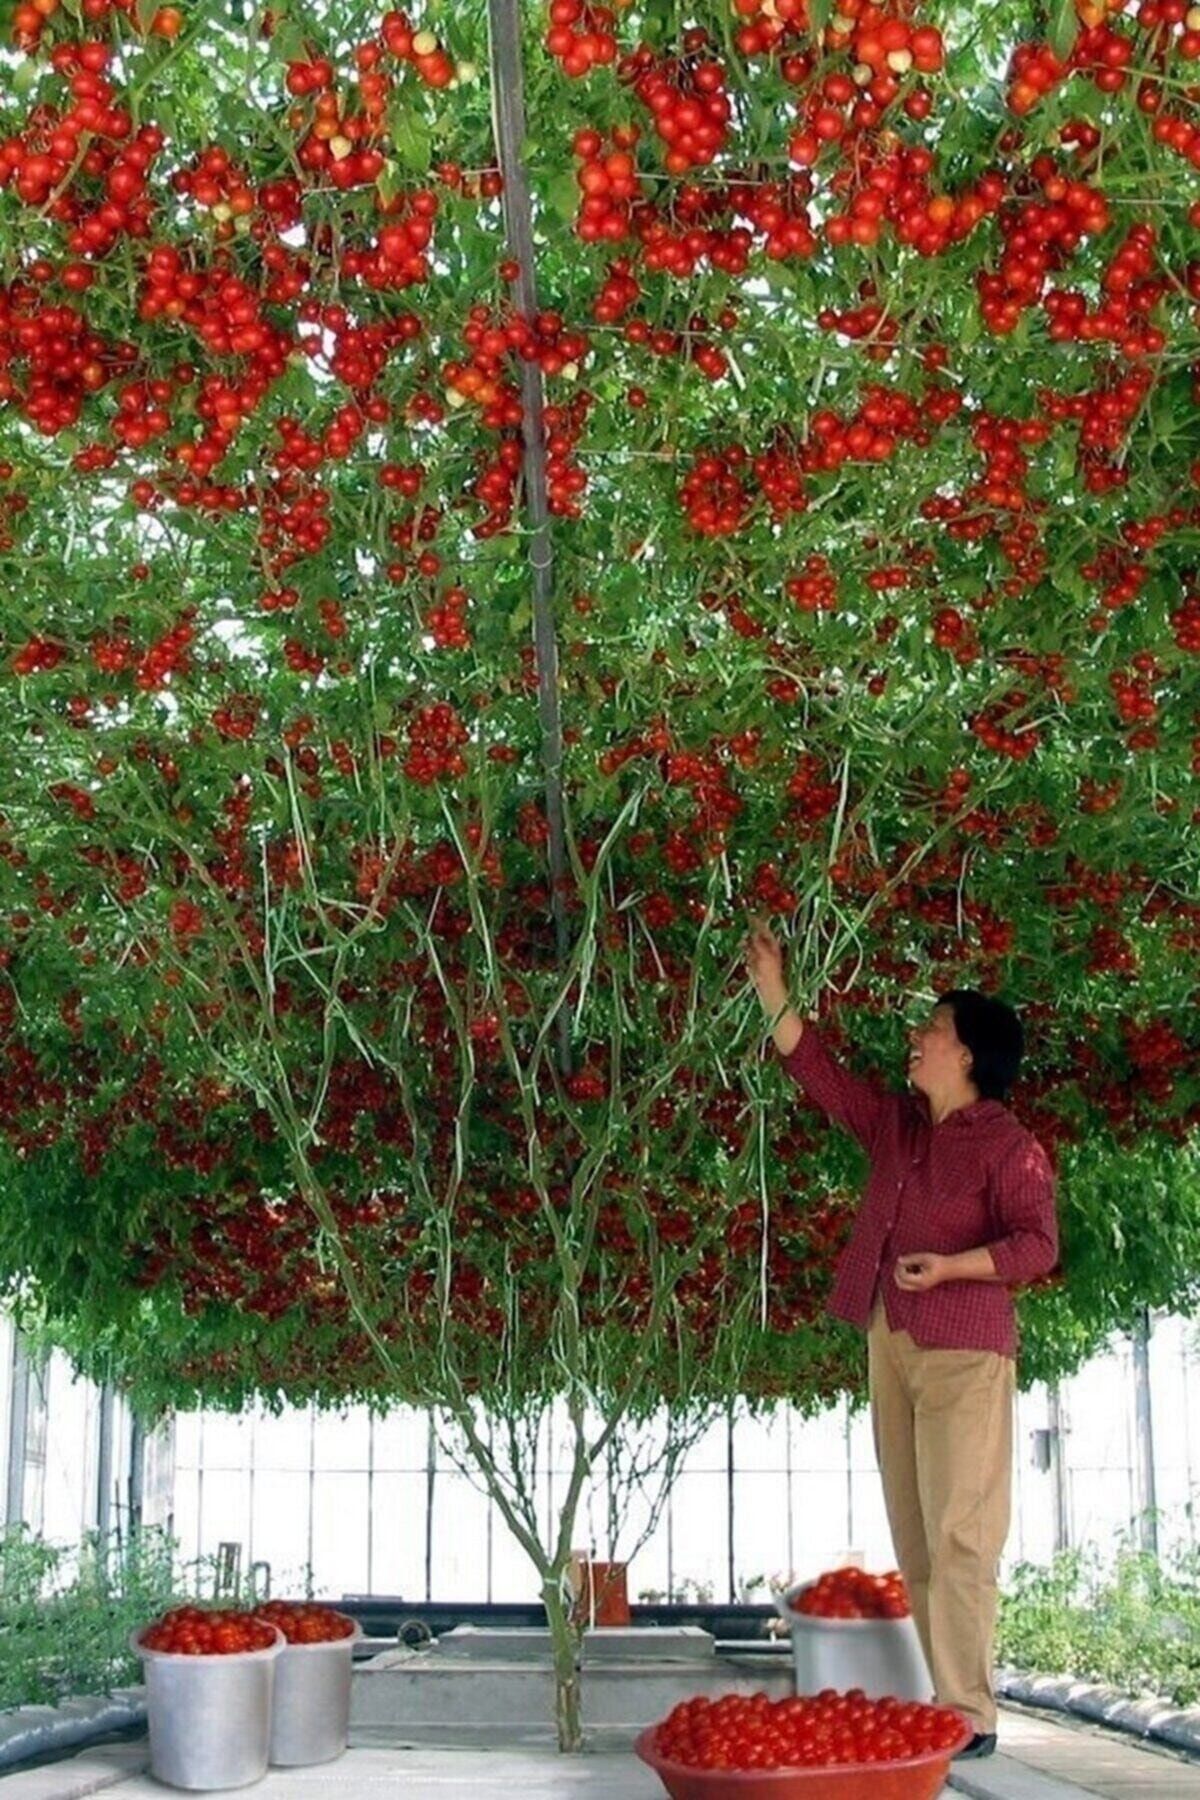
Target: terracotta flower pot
(603, 1597)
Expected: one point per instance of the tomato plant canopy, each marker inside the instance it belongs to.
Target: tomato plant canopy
(444, 586)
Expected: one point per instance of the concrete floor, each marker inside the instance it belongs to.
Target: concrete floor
(1043, 1759)
(1100, 1762)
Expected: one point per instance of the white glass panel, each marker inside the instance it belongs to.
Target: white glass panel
(339, 1564)
(342, 1440)
(700, 1522)
(281, 1528)
(227, 1438)
(459, 1539)
(402, 1439)
(226, 1513)
(760, 1442)
(284, 1440)
(398, 1535)
(760, 1508)
(72, 1429)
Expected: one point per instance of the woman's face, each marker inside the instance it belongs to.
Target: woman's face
(937, 1059)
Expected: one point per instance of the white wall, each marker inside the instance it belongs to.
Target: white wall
(347, 1494)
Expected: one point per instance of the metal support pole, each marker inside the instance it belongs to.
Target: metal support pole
(18, 1423)
(137, 1474)
(370, 1503)
(791, 1550)
(670, 1547)
(312, 1493)
(847, 1440)
(104, 1466)
(1058, 1457)
(729, 1500)
(1190, 1510)
(430, 1477)
(1147, 1523)
(508, 125)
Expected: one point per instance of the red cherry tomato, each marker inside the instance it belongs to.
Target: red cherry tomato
(302, 1622)
(200, 1631)
(853, 1594)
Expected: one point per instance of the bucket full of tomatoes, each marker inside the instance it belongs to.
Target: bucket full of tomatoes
(310, 1719)
(209, 1679)
(827, 1746)
(850, 1628)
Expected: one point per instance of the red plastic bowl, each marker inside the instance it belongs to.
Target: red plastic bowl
(910, 1778)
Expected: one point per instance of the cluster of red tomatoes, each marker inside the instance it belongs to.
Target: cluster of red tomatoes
(686, 96)
(201, 1631)
(581, 36)
(853, 1594)
(301, 1622)
(823, 1730)
(434, 736)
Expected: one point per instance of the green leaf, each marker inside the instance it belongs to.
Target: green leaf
(144, 13)
(1064, 28)
(411, 137)
(24, 77)
(389, 183)
(563, 194)
(818, 16)
(287, 40)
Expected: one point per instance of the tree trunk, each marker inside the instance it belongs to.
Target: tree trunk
(564, 1641)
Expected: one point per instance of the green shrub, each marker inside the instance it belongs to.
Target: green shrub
(66, 1615)
(1132, 1622)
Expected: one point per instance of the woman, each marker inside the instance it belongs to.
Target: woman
(957, 1211)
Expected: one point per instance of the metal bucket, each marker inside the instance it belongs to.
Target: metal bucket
(310, 1719)
(210, 1716)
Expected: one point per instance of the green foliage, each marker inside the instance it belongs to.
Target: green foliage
(1132, 1623)
(66, 1614)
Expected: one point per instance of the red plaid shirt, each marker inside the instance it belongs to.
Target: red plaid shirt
(977, 1178)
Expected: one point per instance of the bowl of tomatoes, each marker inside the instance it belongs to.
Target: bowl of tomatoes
(852, 1628)
(310, 1717)
(826, 1746)
(209, 1684)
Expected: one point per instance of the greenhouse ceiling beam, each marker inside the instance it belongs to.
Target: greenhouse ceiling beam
(508, 122)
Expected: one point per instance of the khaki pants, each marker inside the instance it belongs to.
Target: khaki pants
(943, 1436)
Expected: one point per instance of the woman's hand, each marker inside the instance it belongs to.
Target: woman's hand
(764, 965)
(918, 1273)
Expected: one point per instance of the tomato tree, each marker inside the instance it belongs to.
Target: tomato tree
(481, 507)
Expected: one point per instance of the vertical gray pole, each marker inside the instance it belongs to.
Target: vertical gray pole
(1144, 1420)
(370, 1503)
(490, 1527)
(670, 1549)
(104, 1466)
(729, 1497)
(849, 1480)
(312, 1491)
(430, 1477)
(250, 1473)
(550, 1532)
(137, 1474)
(1058, 1456)
(505, 20)
(18, 1421)
(200, 1500)
(791, 1547)
(1187, 1433)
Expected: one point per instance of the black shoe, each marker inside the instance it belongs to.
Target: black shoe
(982, 1744)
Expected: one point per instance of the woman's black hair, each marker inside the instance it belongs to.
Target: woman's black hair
(992, 1032)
